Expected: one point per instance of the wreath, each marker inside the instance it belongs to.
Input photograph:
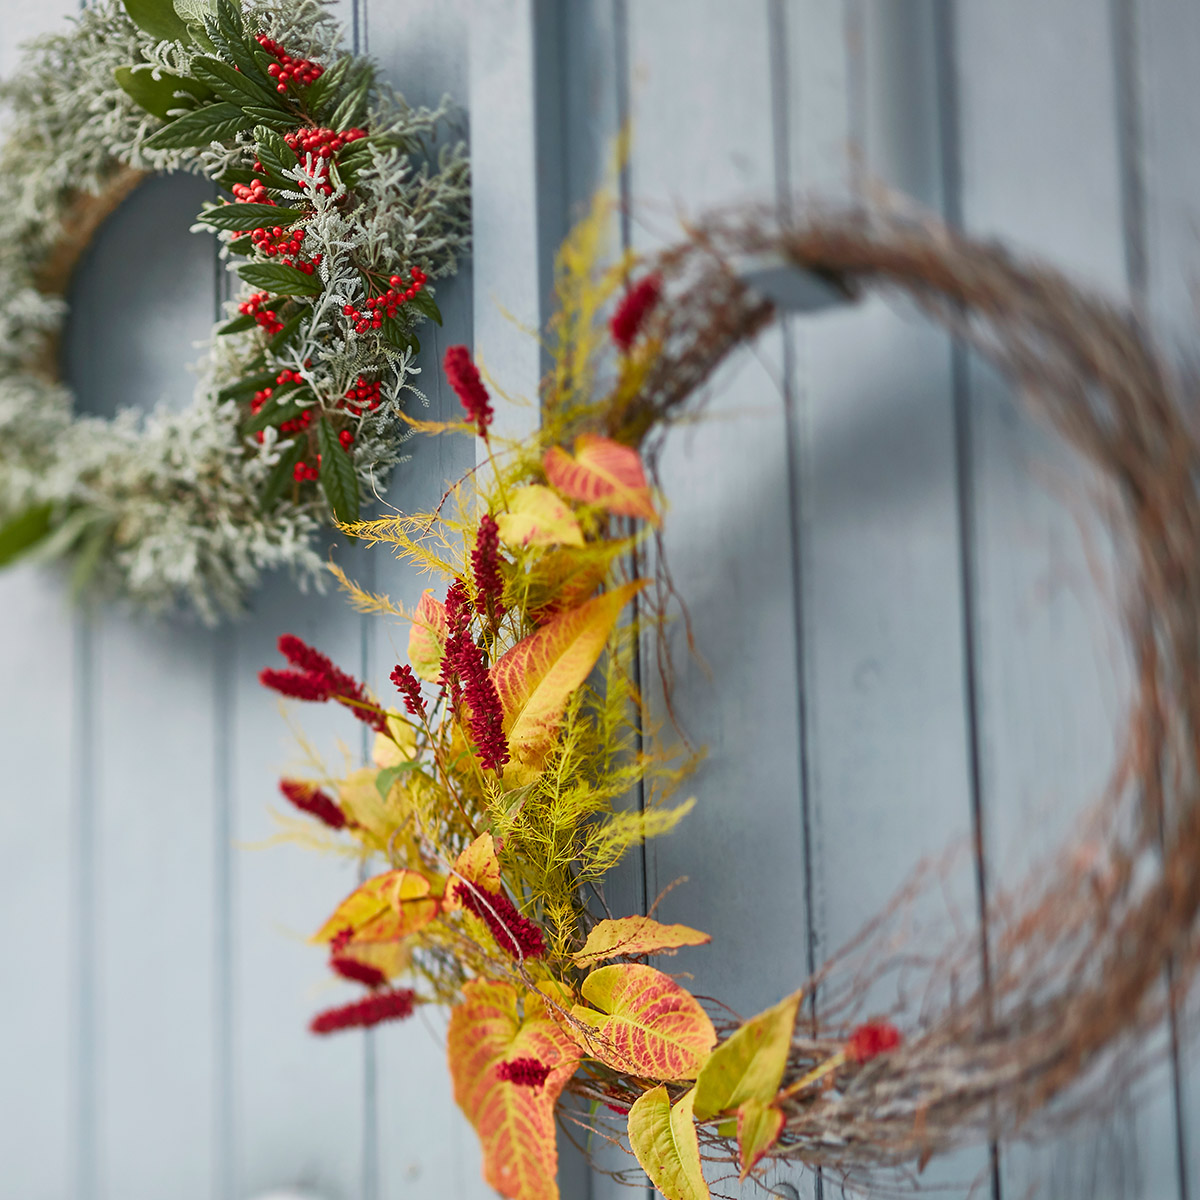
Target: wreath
(344, 206)
(492, 798)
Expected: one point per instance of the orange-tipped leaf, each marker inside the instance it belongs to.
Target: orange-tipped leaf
(604, 473)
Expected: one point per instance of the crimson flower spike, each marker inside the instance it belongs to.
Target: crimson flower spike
(463, 376)
(626, 323)
(485, 564)
(316, 678)
(362, 1014)
(309, 798)
(516, 935)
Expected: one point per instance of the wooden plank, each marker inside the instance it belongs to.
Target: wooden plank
(1040, 166)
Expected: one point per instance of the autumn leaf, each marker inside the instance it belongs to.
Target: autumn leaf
(633, 937)
(537, 676)
(565, 579)
(758, 1128)
(389, 958)
(477, 864)
(385, 908)
(537, 517)
(398, 745)
(664, 1140)
(646, 1024)
(750, 1064)
(515, 1124)
(427, 638)
(602, 472)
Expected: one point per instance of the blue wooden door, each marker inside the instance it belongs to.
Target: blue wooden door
(901, 604)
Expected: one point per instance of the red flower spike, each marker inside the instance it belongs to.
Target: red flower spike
(872, 1039)
(359, 972)
(410, 688)
(626, 323)
(362, 1014)
(296, 685)
(485, 563)
(463, 377)
(524, 1072)
(320, 677)
(309, 798)
(516, 935)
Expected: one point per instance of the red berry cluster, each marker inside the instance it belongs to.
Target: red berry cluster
(322, 144)
(362, 397)
(267, 318)
(277, 241)
(252, 193)
(387, 304)
(302, 471)
(288, 68)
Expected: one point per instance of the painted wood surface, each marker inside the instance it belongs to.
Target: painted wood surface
(908, 640)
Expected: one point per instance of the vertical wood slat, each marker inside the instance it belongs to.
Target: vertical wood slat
(1041, 165)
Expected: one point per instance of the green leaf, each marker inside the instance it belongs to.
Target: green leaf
(290, 327)
(275, 155)
(271, 117)
(228, 32)
(337, 475)
(281, 280)
(325, 90)
(158, 96)
(193, 11)
(247, 386)
(240, 217)
(212, 123)
(396, 335)
(425, 304)
(666, 1145)
(389, 775)
(237, 325)
(232, 175)
(24, 531)
(274, 412)
(281, 473)
(352, 110)
(89, 555)
(750, 1064)
(231, 85)
(158, 18)
(199, 36)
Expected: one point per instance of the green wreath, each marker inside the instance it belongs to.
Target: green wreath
(342, 211)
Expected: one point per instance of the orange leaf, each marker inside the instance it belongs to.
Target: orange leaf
(427, 638)
(385, 908)
(565, 580)
(664, 1140)
(633, 937)
(515, 1124)
(537, 676)
(477, 864)
(758, 1128)
(603, 472)
(647, 1024)
(537, 517)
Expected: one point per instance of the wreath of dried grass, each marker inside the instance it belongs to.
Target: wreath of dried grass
(483, 904)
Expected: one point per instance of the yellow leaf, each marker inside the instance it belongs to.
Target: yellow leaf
(646, 1024)
(537, 676)
(515, 1124)
(477, 864)
(665, 1142)
(392, 958)
(758, 1128)
(359, 799)
(396, 746)
(750, 1064)
(602, 472)
(537, 517)
(632, 937)
(427, 638)
(565, 579)
(383, 909)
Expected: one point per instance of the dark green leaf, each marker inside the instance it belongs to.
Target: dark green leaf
(356, 155)
(228, 31)
(232, 175)
(282, 472)
(425, 304)
(212, 123)
(88, 557)
(389, 775)
(158, 96)
(199, 36)
(158, 18)
(271, 117)
(352, 110)
(249, 216)
(273, 413)
(275, 155)
(281, 280)
(290, 327)
(24, 531)
(337, 475)
(396, 335)
(231, 85)
(324, 91)
(248, 386)
(237, 325)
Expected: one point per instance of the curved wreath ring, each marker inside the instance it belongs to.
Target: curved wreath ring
(493, 797)
(343, 212)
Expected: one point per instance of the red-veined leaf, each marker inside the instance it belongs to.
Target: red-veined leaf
(663, 1137)
(631, 937)
(602, 472)
(645, 1023)
(477, 864)
(537, 517)
(515, 1124)
(383, 909)
(758, 1128)
(427, 638)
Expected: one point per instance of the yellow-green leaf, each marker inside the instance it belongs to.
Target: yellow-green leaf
(537, 517)
(602, 472)
(665, 1142)
(750, 1064)
(427, 638)
(537, 676)
(632, 937)
(383, 909)
(758, 1128)
(643, 1022)
(515, 1124)
(477, 864)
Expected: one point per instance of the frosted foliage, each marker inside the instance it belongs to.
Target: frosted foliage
(170, 503)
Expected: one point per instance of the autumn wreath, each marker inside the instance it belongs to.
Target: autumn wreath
(340, 213)
(493, 798)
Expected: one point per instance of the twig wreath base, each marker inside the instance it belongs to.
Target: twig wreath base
(1084, 960)
(338, 186)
